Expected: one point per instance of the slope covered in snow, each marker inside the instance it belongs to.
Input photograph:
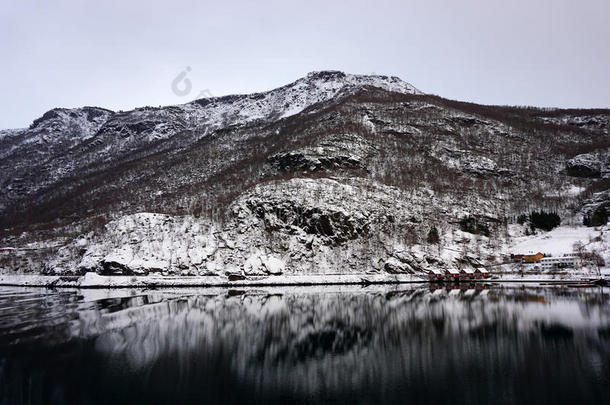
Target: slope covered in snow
(331, 174)
(560, 241)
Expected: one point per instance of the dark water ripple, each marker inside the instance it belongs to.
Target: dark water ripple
(408, 344)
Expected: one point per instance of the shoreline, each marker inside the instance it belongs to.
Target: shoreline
(93, 280)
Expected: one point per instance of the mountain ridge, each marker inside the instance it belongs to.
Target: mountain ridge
(97, 134)
(392, 83)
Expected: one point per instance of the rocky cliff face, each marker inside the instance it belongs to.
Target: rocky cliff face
(589, 165)
(299, 226)
(333, 173)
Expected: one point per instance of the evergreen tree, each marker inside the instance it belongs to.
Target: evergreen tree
(599, 217)
(472, 225)
(544, 220)
(433, 236)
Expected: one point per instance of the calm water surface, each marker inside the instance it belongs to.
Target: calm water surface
(404, 344)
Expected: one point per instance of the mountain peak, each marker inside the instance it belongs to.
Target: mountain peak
(290, 99)
(326, 74)
(390, 83)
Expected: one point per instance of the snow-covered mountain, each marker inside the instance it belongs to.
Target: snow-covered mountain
(331, 173)
(162, 122)
(66, 141)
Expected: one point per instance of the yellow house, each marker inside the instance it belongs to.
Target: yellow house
(534, 258)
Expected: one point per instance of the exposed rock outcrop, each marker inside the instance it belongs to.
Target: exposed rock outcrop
(467, 162)
(587, 165)
(152, 243)
(596, 209)
(595, 122)
(339, 152)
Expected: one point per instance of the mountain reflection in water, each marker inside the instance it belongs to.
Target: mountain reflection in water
(401, 344)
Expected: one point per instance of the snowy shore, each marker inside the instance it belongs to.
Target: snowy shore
(93, 280)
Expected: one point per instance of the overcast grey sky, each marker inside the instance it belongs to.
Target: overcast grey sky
(124, 54)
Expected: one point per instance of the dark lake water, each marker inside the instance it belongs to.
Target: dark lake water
(401, 344)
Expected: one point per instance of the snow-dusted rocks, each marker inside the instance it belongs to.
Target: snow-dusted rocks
(341, 225)
(596, 209)
(395, 266)
(471, 163)
(313, 160)
(587, 165)
(336, 152)
(300, 226)
(273, 265)
(151, 243)
(332, 211)
(595, 122)
(260, 264)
